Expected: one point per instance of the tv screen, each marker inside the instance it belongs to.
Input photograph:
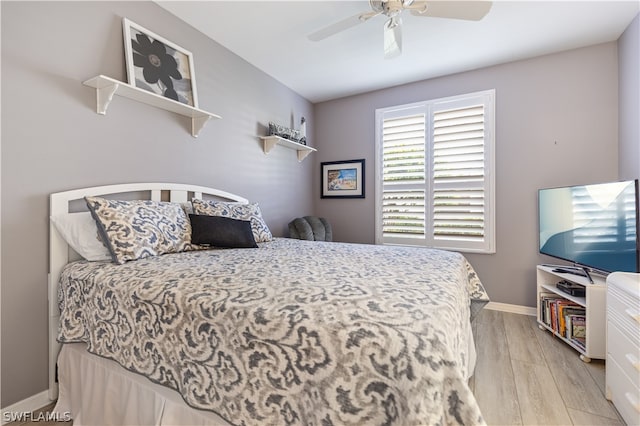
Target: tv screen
(591, 225)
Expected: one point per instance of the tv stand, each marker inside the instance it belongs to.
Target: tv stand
(549, 297)
(575, 270)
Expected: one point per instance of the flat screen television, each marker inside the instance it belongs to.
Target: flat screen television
(593, 226)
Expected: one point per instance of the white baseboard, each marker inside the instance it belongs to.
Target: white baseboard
(28, 405)
(514, 309)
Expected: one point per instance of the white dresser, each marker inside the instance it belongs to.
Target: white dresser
(623, 344)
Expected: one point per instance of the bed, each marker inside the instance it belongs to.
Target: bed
(280, 332)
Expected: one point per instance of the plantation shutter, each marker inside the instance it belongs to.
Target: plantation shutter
(434, 174)
(458, 174)
(403, 199)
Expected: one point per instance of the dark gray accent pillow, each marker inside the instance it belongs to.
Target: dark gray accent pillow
(242, 211)
(222, 232)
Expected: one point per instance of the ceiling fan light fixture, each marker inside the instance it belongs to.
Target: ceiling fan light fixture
(393, 22)
(393, 38)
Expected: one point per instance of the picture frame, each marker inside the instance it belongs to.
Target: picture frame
(342, 179)
(157, 65)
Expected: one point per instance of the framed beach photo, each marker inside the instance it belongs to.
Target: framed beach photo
(342, 179)
(158, 65)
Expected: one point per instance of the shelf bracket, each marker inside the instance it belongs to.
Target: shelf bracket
(302, 155)
(269, 144)
(104, 95)
(197, 123)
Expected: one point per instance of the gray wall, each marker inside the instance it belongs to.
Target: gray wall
(53, 140)
(629, 88)
(556, 124)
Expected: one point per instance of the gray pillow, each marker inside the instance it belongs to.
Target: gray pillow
(137, 229)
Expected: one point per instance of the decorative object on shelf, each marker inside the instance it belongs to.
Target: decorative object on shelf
(284, 132)
(342, 179)
(158, 65)
(303, 131)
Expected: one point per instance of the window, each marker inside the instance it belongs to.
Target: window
(435, 173)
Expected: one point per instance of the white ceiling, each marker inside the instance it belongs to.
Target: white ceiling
(272, 35)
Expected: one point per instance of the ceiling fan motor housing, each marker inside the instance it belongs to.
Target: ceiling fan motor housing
(389, 7)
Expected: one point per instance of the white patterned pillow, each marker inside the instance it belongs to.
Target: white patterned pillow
(241, 211)
(137, 229)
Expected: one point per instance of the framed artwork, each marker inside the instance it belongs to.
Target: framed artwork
(158, 65)
(342, 179)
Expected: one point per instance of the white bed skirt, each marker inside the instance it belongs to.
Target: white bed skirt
(98, 391)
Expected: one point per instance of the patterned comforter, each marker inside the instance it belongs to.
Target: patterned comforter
(293, 332)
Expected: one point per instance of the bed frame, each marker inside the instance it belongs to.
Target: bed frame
(60, 253)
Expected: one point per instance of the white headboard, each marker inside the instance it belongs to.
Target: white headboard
(60, 204)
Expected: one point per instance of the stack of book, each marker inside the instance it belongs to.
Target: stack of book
(564, 317)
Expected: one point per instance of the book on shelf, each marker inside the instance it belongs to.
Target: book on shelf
(580, 342)
(569, 313)
(545, 306)
(554, 312)
(578, 326)
(577, 329)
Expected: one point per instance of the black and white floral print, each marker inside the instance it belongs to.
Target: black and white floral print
(156, 63)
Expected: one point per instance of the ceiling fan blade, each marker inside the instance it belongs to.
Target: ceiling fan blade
(335, 28)
(466, 10)
(392, 38)
(368, 15)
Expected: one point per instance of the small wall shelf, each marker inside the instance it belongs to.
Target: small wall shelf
(106, 87)
(271, 141)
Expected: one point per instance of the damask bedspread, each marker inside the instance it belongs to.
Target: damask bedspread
(292, 332)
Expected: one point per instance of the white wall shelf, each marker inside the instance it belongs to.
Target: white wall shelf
(106, 87)
(270, 141)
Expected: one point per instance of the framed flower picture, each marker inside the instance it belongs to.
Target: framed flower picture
(158, 65)
(342, 179)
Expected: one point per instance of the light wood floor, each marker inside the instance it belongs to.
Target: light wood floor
(525, 376)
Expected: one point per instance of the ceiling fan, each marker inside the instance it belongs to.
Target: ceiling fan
(392, 9)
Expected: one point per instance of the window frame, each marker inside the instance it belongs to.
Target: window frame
(429, 107)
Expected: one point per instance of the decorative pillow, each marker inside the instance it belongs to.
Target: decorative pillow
(224, 232)
(187, 207)
(137, 229)
(80, 231)
(241, 211)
